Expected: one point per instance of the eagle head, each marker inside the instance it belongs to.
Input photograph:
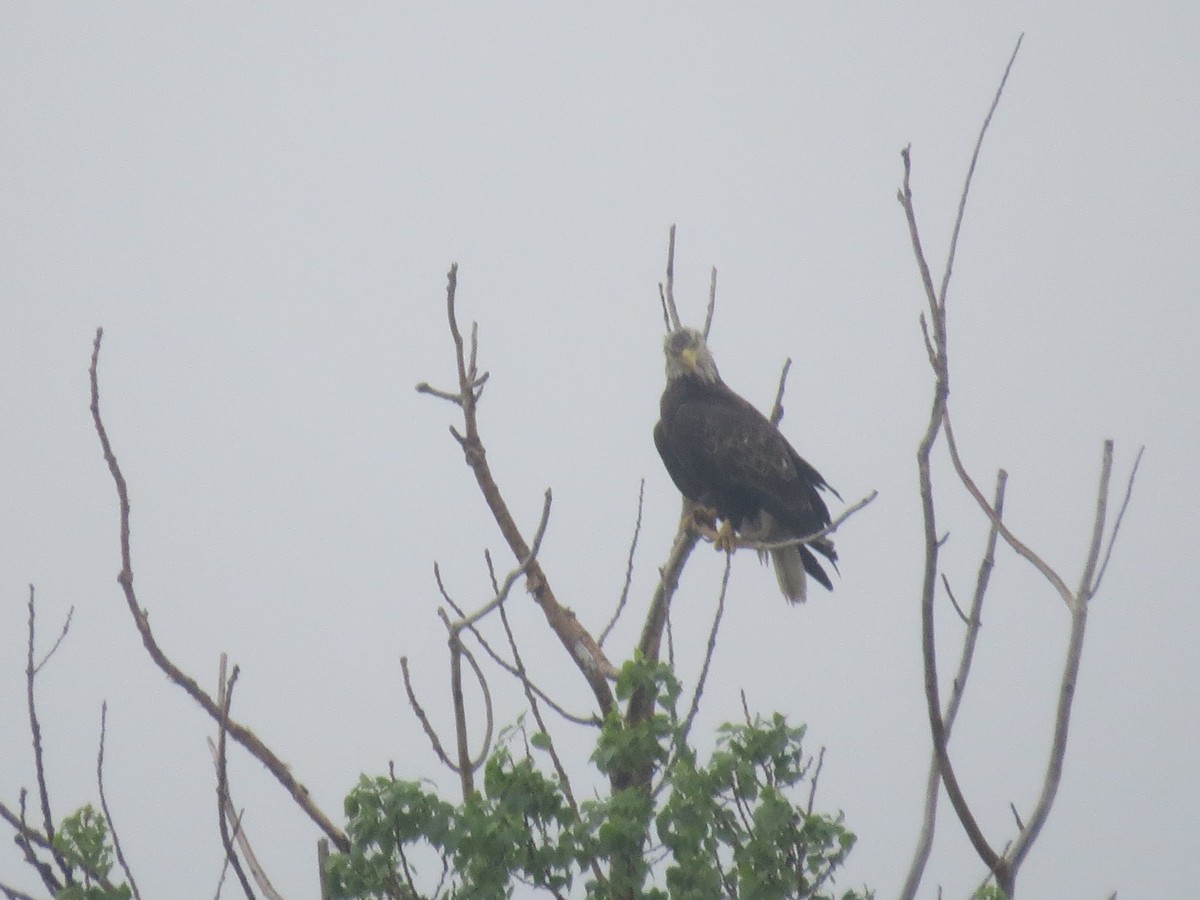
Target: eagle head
(688, 355)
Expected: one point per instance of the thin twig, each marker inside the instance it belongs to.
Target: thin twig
(685, 541)
(466, 768)
(510, 668)
(667, 291)
(812, 784)
(62, 634)
(962, 201)
(253, 866)
(709, 650)
(479, 758)
(1016, 544)
(712, 302)
(26, 837)
(112, 826)
(511, 578)
(419, 711)
(637, 530)
(35, 730)
(1112, 538)
(11, 893)
(1016, 816)
(777, 407)
(954, 600)
(226, 695)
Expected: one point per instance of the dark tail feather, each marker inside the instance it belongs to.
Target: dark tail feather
(812, 567)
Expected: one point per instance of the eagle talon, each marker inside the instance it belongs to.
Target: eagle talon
(725, 539)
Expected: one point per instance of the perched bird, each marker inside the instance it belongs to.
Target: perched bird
(727, 457)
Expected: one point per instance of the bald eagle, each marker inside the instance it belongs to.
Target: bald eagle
(727, 457)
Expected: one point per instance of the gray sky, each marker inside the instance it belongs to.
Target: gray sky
(260, 205)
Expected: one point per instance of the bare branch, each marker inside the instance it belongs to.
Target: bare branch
(35, 731)
(954, 600)
(709, 650)
(26, 837)
(904, 195)
(419, 711)
(512, 576)
(1021, 549)
(322, 861)
(226, 696)
(974, 624)
(425, 388)
(487, 703)
(234, 818)
(1016, 816)
(937, 351)
(637, 530)
(587, 655)
(812, 784)
(1066, 696)
(668, 582)
(240, 733)
(11, 893)
(667, 293)
(459, 650)
(1112, 538)
(641, 703)
(112, 826)
(466, 767)
(777, 407)
(508, 667)
(962, 202)
(1097, 544)
(712, 302)
(62, 634)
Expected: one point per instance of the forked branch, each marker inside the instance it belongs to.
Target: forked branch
(587, 655)
(1003, 865)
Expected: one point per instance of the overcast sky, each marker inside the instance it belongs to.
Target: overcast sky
(260, 204)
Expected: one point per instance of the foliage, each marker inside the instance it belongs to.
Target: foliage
(82, 843)
(732, 827)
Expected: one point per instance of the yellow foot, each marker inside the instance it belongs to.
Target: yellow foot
(725, 539)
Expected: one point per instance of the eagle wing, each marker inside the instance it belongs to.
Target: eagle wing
(723, 452)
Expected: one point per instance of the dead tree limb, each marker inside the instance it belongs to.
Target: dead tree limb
(1003, 865)
(587, 655)
(239, 732)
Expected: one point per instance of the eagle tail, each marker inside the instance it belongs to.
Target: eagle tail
(789, 564)
(813, 567)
